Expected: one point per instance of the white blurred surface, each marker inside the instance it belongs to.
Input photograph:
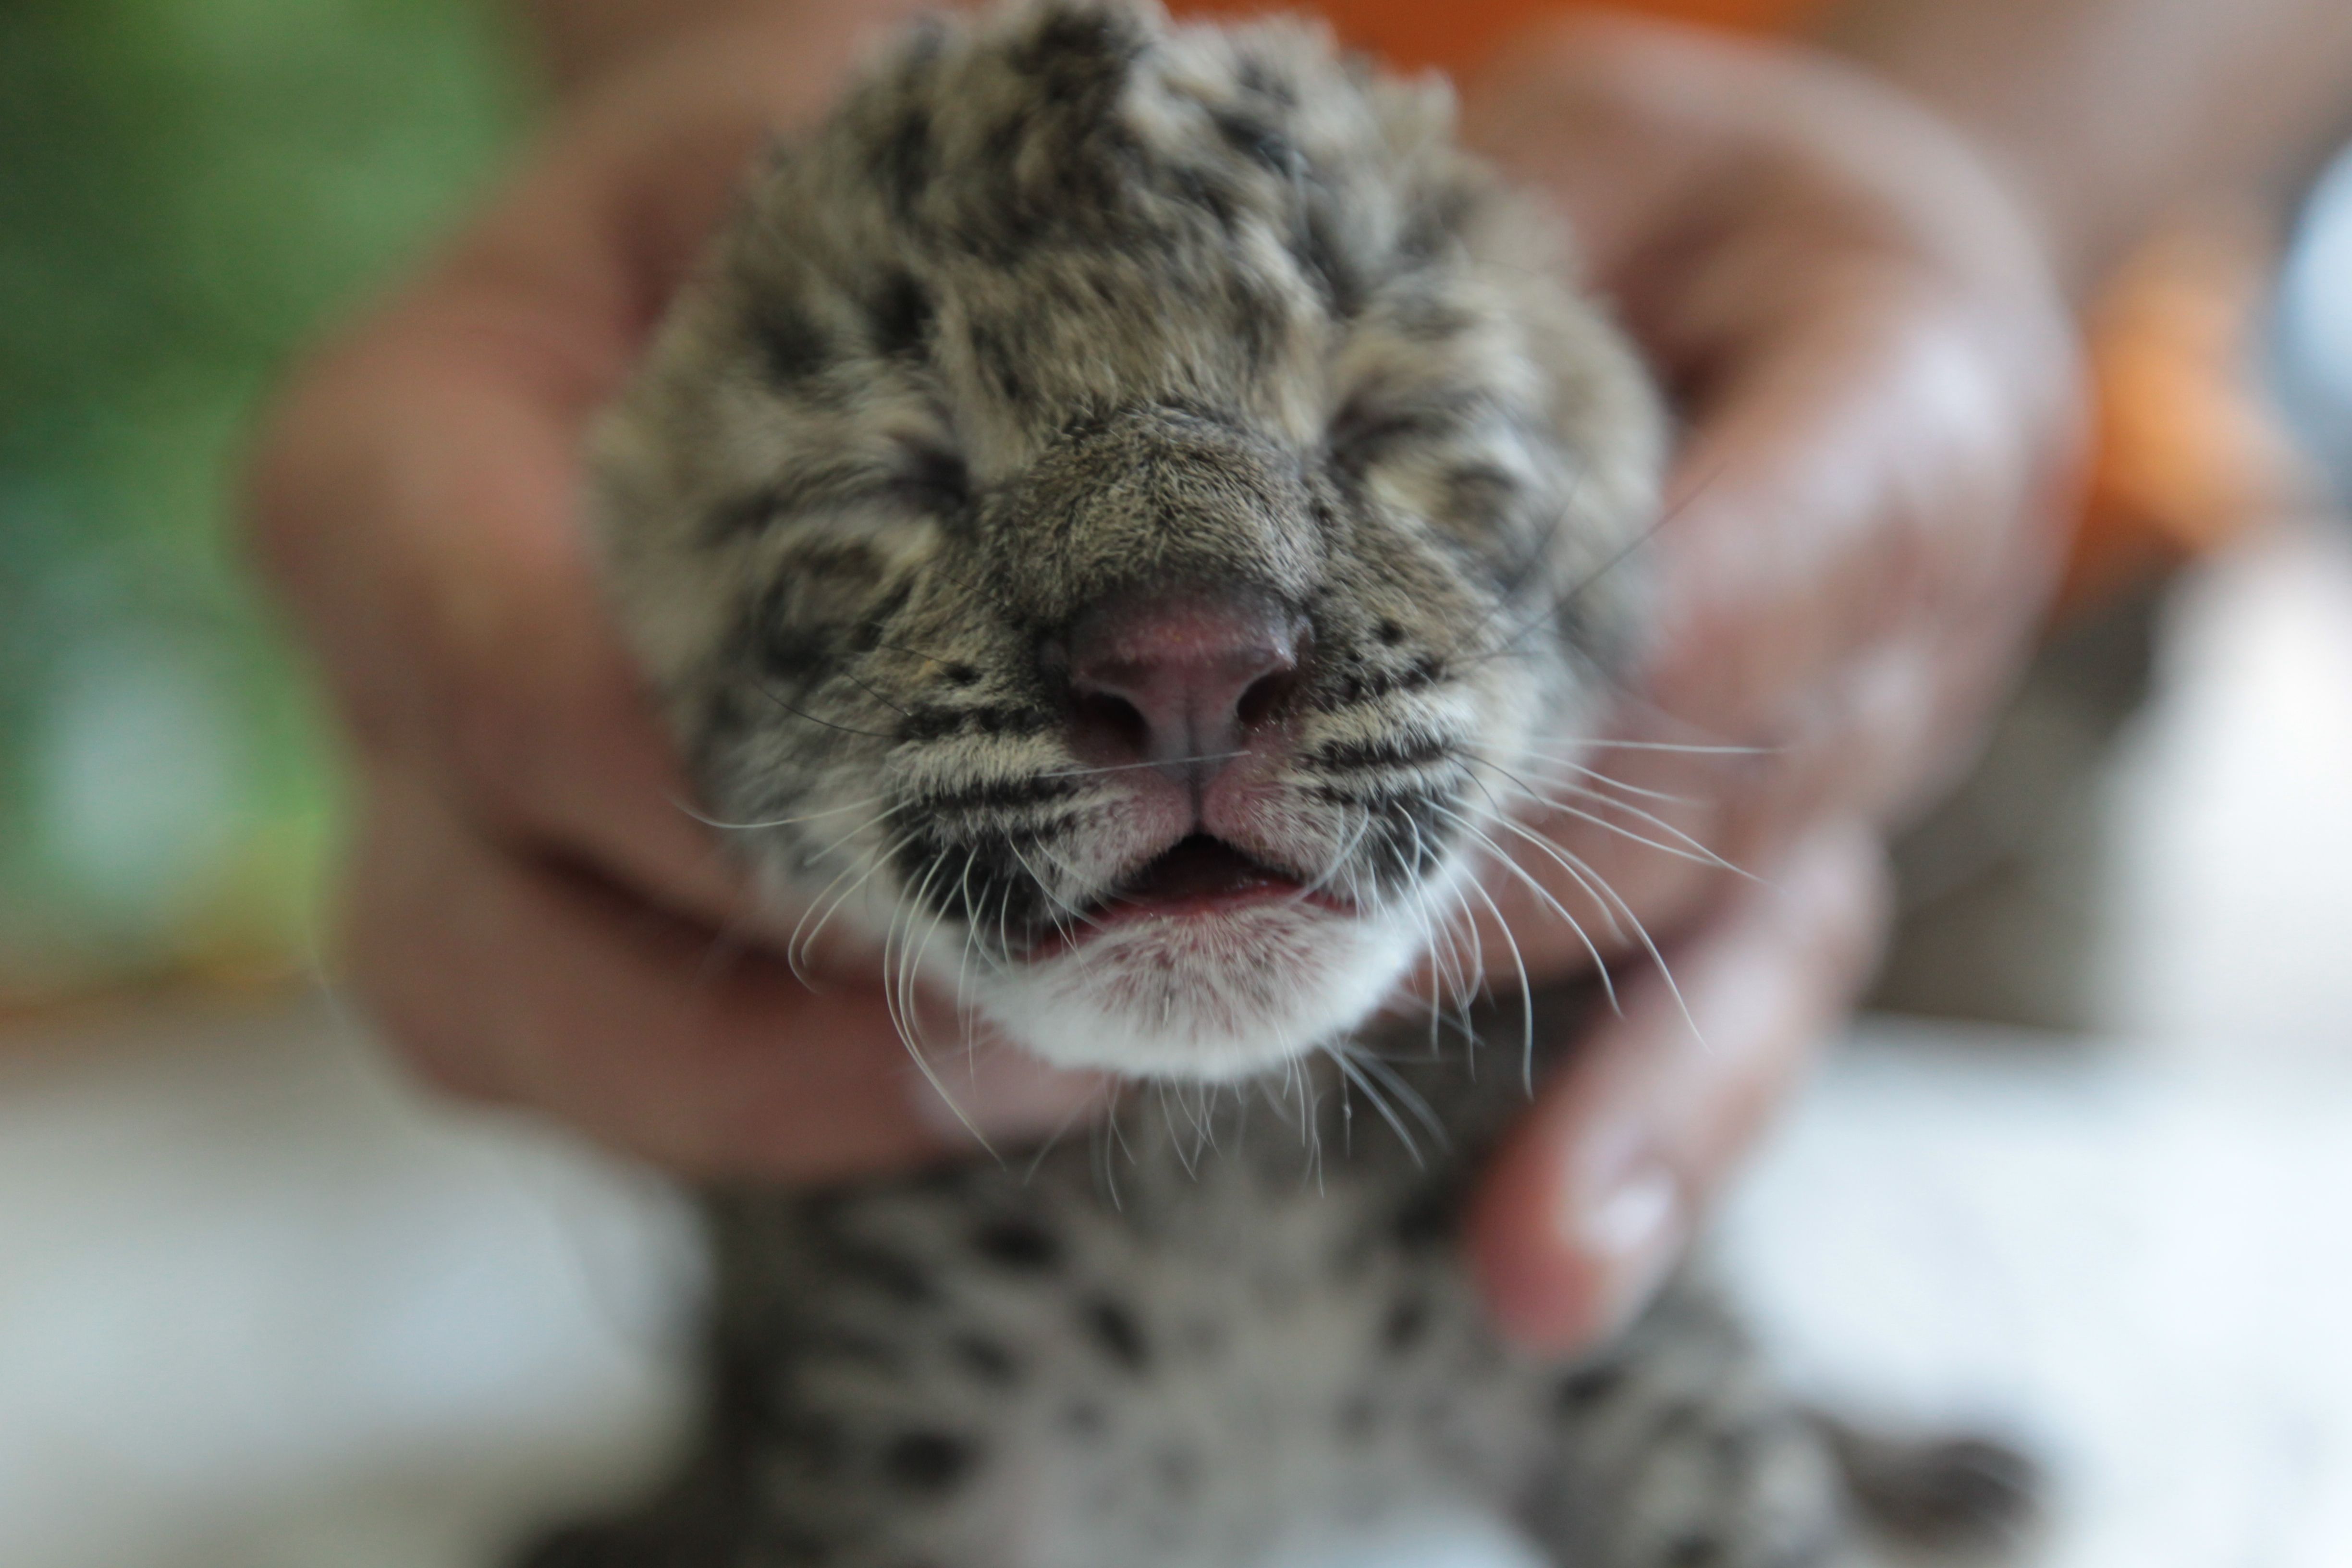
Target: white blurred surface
(2232, 907)
(2142, 1266)
(258, 1309)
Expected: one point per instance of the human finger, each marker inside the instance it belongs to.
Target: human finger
(524, 979)
(1844, 590)
(1594, 1196)
(416, 497)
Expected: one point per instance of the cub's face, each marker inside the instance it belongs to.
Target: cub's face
(1120, 513)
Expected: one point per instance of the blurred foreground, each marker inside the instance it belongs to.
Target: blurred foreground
(259, 1311)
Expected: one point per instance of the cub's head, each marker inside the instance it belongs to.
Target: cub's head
(1120, 511)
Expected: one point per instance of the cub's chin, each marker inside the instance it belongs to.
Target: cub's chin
(1209, 997)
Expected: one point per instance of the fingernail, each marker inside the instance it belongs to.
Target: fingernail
(1633, 1230)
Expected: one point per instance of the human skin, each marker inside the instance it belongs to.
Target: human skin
(1859, 310)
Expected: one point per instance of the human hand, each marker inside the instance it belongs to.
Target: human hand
(531, 913)
(1882, 407)
(533, 916)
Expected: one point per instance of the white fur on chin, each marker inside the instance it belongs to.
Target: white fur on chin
(1209, 998)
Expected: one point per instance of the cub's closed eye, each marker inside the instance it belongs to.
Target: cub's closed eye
(928, 480)
(931, 479)
(1361, 431)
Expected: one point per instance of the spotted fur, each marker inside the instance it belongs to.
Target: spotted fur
(1066, 304)
(1069, 307)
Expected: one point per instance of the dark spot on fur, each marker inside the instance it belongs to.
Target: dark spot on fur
(724, 720)
(1260, 320)
(1001, 218)
(1324, 258)
(960, 675)
(1360, 433)
(1258, 141)
(1012, 721)
(796, 650)
(867, 635)
(1961, 1492)
(1434, 225)
(1391, 751)
(1406, 1326)
(745, 514)
(1204, 190)
(987, 1361)
(920, 724)
(990, 891)
(935, 479)
(1116, 1333)
(1429, 1216)
(1082, 48)
(805, 488)
(1391, 634)
(1694, 1550)
(812, 1443)
(906, 160)
(901, 1279)
(1001, 362)
(900, 315)
(996, 797)
(792, 346)
(1259, 82)
(1588, 1388)
(1020, 1244)
(928, 1463)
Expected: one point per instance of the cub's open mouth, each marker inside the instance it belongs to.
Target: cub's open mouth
(1200, 876)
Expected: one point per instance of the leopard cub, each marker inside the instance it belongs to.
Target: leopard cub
(1120, 516)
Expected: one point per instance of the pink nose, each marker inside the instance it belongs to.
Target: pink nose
(1179, 677)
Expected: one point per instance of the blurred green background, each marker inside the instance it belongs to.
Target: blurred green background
(188, 188)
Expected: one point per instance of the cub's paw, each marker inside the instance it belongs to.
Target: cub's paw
(1964, 1498)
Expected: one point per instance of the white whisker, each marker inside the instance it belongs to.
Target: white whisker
(1508, 863)
(785, 821)
(1349, 1073)
(1688, 749)
(1582, 869)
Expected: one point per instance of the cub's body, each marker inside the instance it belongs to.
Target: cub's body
(1118, 525)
